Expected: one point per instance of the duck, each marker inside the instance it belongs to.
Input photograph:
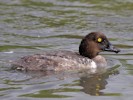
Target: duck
(88, 56)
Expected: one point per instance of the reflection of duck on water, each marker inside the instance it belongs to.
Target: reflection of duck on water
(91, 84)
(95, 83)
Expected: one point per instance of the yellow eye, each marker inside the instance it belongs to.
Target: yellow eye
(99, 39)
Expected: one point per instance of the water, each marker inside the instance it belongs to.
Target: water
(33, 26)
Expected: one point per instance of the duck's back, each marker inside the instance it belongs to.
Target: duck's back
(56, 61)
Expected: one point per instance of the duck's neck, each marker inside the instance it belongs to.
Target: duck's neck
(90, 55)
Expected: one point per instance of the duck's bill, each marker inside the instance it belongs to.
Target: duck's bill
(111, 48)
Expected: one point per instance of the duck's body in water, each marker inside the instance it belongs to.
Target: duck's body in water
(87, 58)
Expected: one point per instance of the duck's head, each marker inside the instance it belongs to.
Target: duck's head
(95, 42)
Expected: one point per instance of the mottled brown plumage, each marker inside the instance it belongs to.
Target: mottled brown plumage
(87, 58)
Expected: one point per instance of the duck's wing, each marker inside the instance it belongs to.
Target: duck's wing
(56, 61)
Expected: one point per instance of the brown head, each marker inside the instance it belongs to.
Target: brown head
(95, 42)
